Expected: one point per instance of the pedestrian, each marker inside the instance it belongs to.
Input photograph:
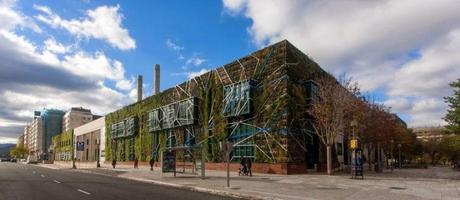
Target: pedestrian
(114, 163)
(136, 162)
(243, 168)
(152, 161)
(249, 166)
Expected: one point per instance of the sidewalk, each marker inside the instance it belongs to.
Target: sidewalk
(399, 184)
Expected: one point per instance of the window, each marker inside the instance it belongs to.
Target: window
(339, 148)
(189, 140)
(245, 148)
(126, 127)
(177, 114)
(154, 120)
(312, 91)
(171, 140)
(237, 99)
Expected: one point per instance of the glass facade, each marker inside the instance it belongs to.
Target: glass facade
(125, 128)
(237, 99)
(312, 91)
(245, 148)
(171, 140)
(51, 126)
(174, 115)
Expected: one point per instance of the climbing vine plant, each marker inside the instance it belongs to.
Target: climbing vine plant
(270, 106)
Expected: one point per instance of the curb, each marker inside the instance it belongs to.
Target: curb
(202, 189)
(191, 188)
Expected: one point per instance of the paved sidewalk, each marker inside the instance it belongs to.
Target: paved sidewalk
(432, 183)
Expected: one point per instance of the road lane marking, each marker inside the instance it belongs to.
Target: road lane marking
(33, 172)
(84, 192)
(43, 176)
(56, 181)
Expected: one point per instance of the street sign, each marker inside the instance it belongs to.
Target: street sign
(169, 161)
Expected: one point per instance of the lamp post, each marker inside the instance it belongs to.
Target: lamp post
(399, 155)
(353, 124)
(391, 154)
(74, 154)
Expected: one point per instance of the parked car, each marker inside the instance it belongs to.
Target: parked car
(14, 160)
(5, 159)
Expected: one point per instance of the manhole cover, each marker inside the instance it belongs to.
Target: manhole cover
(397, 188)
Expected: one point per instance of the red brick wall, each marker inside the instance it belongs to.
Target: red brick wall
(282, 168)
(266, 168)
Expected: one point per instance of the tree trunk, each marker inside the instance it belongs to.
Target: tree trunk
(329, 159)
(379, 158)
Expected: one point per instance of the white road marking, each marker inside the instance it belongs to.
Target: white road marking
(33, 172)
(84, 192)
(43, 176)
(56, 181)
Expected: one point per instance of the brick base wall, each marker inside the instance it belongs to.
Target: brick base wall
(266, 168)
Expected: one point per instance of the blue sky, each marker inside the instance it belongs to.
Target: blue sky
(200, 28)
(59, 54)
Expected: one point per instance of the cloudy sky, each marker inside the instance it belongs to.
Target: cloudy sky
(58, 54)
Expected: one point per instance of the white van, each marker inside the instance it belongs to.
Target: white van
(31, 159)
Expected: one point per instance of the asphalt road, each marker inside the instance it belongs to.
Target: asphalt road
(31, 182)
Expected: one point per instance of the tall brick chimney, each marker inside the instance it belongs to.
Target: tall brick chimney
(139, 88)
(157, 79)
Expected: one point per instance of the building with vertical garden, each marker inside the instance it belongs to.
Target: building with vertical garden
(259, 102)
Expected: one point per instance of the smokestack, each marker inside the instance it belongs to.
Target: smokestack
(139, 88)
(157, 79)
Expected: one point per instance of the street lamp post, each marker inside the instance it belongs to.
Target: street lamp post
(353, 124)
(74, 154)
(391, 155)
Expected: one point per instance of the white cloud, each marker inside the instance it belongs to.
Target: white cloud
(193, 74)
(104, 22)
(55, 47)
(10, 18)
(52, 75)
(173, 46)
(195, 60)
(430, 74)
(372, 41)
(176, 48)
(95, 66)
(7, 140)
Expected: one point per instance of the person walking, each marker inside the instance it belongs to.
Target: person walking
(249, 166)
(152, 161)
(136, 162)
(243, 169)
(114, 163)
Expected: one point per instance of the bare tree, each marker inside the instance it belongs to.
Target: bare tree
(335, 100)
